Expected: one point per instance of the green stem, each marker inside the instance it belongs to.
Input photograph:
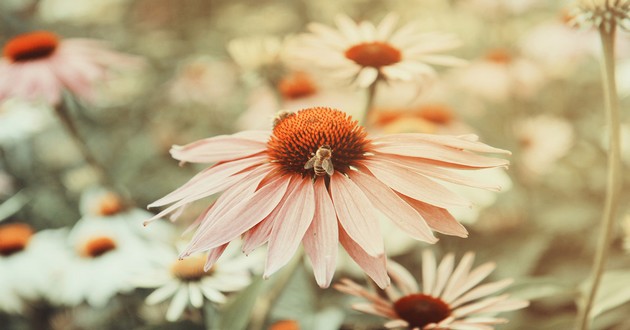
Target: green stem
(62, 113)
(613, 184)
(264, 303)
(369, 104)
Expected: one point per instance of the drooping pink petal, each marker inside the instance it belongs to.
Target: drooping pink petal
(259, 234)
(467, 142)
(427, 168)
(322, 237)
(240, 218)
(294, 218)
(384, 199)
(213, 256)
(207, 179)
(355, 214)
(374, 267)
(414, 185)
(439, 153)
(218, 148)
(437, 218)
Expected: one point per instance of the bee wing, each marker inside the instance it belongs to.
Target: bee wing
(310, 163)
(328, 166)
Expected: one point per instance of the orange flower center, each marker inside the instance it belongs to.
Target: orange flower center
(97, 247)
(499, 56)
(420, 310)
(375, 54)
(436, 113)
(296, 139)
(31, 46)
(190, 269)
(14, 238)
(109, 204)
(296, 86)
(285, 325)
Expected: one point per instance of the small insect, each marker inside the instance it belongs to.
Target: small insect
(321, 162)
(280, 116)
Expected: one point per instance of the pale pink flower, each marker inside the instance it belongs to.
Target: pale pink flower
(450, 297)
(364, 52)
(38, 66)
(271, 197)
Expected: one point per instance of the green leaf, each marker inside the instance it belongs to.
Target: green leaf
(614, 290)
(236, 313)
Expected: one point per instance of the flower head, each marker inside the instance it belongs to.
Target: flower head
(366, 52)
(187, 281)
(319, 178)
(602, 13)
(450, 297)
(40, 65)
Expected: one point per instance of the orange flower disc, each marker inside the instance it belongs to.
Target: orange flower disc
(14, 238)
(31, 46)
(97, 247)
(374, 54)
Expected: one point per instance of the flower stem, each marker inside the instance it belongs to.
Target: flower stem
(62, 113)
(369, 104)
(613, 184)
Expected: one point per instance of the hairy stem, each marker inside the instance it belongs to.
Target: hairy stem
(613, 181)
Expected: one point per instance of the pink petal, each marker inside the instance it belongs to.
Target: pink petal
(414, 185)
(403, 215)
(437, 218)
(240, 218)
(294, 218)
(468, 142)
(356, 214)
(259, 234)
(374, 267)
(209, 178)
(476, 276)
(322, 237)
(213, 256)
(218, 148)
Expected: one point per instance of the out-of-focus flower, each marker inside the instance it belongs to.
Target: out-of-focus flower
(19, 120)
(499, 76)
(544, 140)
(285, 325)
(491, 7)
(101, 259)
(602, 13)
(28, 269)
(203, 80)
(186, 281)
(318, 178)
(38, 66)
(450, 297)
(92, 12)
(363, 52)
(426, 118)
(261, 55)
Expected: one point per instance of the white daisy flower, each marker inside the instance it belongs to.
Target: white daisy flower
(27, 264)
(450, 298)
(99, 263)
(187, 282)
(365, 52)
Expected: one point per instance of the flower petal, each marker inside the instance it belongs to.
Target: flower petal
(356, 214)
(374, 267)
(178, 304)
(322, 237)
(437, 218)
(217, 148)
(162, 293)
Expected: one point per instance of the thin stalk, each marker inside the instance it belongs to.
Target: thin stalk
(264, 303)
(62, 113)
(369, 104)
(613, 181)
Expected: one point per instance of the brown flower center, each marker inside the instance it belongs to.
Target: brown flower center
(436, 113)
(97, 247)
(296, 86)
(31, 46)
(375, 54)
(14, 238)
(296, 139)
(420, 310)
(190, 269)
(109, 204)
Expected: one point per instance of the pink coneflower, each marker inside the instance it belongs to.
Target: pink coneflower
(449, 299)
(366, 52)
(39, 66)
(318, 178)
